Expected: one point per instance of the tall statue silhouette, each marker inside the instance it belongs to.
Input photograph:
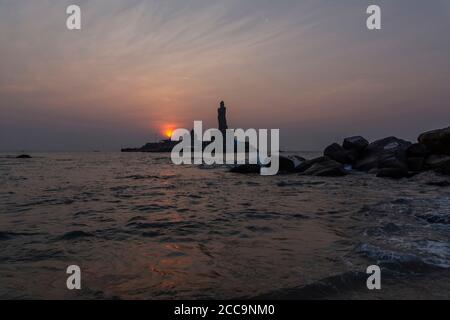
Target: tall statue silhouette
(222, 117)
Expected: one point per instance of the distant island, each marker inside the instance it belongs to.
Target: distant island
(167, 145)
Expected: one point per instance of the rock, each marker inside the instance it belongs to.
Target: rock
(392, 161)
(417, 150)
(381, 154)
(325, 167)
(415, 164)
(23, 156)
(246, 168)
(339, 154)
(442, 183)
(437, 141)
(393, 173)
(444, 169)
(308, 163)
(367, 164)
(436, 161)
(290, 163)
(356, 143)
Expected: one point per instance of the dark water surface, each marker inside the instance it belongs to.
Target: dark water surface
(142, 228)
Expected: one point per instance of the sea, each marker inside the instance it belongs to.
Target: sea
(140, 227)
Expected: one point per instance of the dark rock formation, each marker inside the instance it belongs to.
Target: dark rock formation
(339, 154)
(441, 183)
(445, 169)
(290, 163)
(392, 161)
(324, 167)
(436, 161)
(417, 150)
(388, 158)
(287, 164)
(416, 155)
(440, 165)
(415, 164)
(437, 141)
(356, 143)
(308, 164)
(24, 156)
(384, 153)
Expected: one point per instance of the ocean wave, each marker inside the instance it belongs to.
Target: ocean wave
(8, 235)
(407, 262)
(320, 289)
(74, 235)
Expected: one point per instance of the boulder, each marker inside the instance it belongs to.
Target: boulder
(415, 164)
(436, 161)
(384, 153)
(392, 161)
(417, 150)
(445, 169)
(24, 156)
(290, 163)
(393, 173)
(437, 141)
(441, 183)
(356, 143)
(325, 167)
(308, 163)
(339, 154)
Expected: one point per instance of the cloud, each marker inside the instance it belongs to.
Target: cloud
(138, 64)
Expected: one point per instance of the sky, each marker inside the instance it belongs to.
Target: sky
(309, 68)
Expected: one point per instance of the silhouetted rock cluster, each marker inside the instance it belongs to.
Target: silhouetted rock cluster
(437, 141)
(322, 167)
(390, 157)
(23, 156)
(290, 163)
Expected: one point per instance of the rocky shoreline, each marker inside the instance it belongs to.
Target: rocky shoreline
(390, 157)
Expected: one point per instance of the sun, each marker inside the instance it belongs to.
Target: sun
(168, 133)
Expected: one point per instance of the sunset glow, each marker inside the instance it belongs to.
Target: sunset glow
(220, 158)
(171, 62)
(168, 133)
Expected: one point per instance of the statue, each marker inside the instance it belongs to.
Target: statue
(222, 117)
